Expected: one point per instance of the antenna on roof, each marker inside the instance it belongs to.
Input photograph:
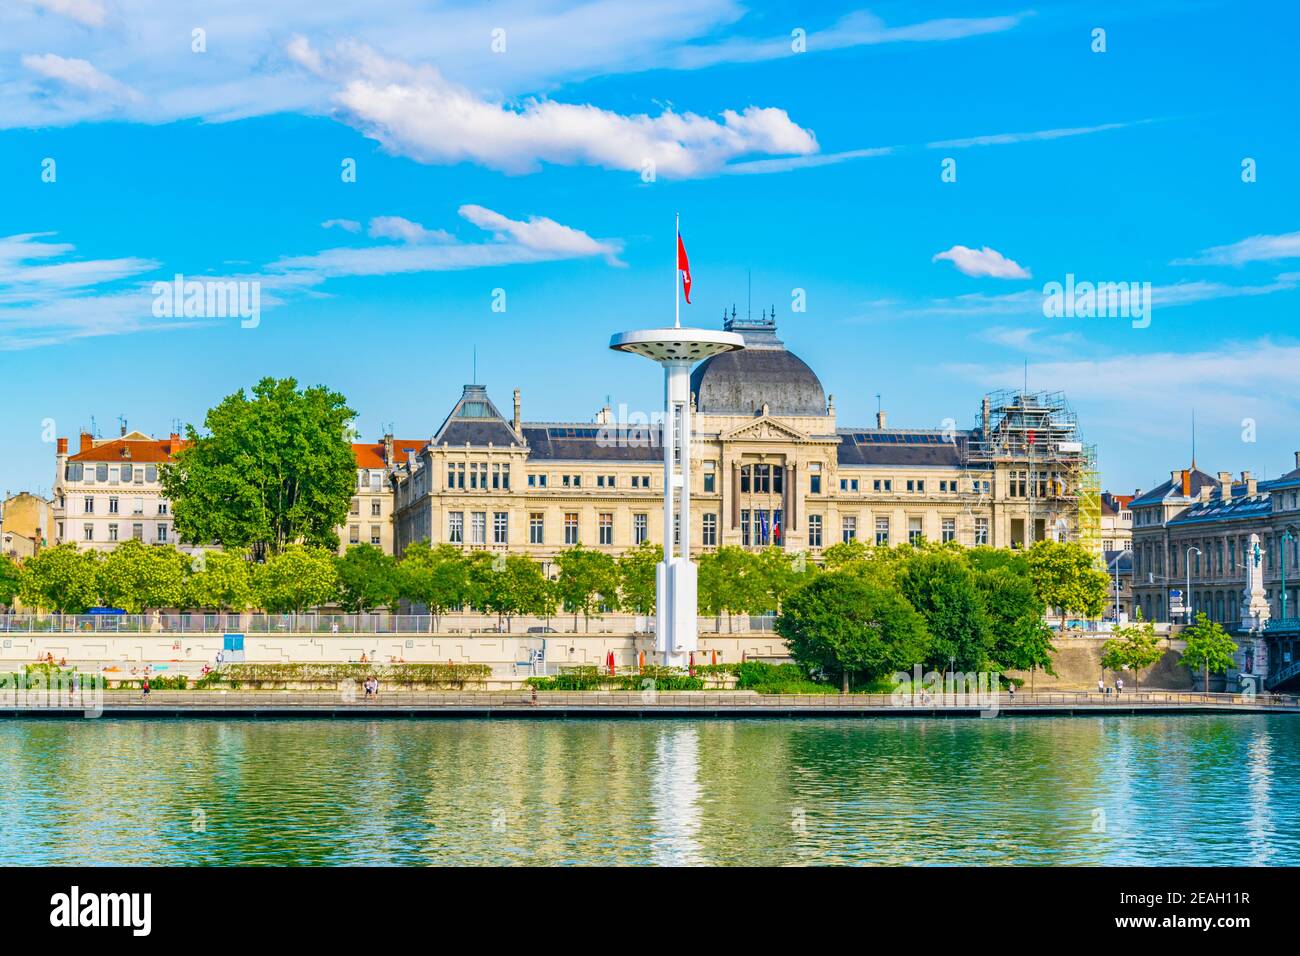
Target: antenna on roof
(94, 428)
(121, 420)
(474, 369)
(1193, 439)
(749, 293)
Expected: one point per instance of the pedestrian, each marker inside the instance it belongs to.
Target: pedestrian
(1011, 691)
(534, 696)
(145, 687)
(374, 685)
(1119, 685)
(1101, 686)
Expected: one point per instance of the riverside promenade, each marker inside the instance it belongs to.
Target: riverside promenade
(631, 704)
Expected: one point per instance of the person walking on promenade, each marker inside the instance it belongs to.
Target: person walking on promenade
(1011, 691)
(1101, 686)
(144, 687)
(534, 696)
(1119, 686)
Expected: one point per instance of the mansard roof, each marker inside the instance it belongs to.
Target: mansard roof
(567, 441)
(1166, 490)
(902, 447)
(475, 421)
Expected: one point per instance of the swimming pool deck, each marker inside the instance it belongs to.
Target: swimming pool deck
(727, 704)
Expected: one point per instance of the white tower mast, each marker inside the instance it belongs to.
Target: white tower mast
(677, 350)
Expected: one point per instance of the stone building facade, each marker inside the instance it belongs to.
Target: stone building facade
(771, 466)
(1201, 523)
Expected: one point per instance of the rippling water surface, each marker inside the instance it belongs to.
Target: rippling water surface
(1105, 790)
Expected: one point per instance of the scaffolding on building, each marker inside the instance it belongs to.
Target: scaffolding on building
(1035, 435)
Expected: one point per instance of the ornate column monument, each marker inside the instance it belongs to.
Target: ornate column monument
(1255, 611)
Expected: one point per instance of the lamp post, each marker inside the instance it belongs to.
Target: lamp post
(1187, 598)
(1286, 537)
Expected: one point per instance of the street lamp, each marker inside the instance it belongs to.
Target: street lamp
(1286, 536)
(1187, 598)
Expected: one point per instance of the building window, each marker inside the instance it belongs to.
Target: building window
(375, 535)
(604, 481)
(89, 505)
(500, 527)
(354, 534)
(640, 527)
(376, 509)
(163, 508)
(137, 506)
(356, 507)
(981, 531)
(882, 531)
(814, 484)
(710, 530)
(814, 531)
(137, 531)
(744, 525)
(101, 472)
(536, 528)
(455, 474)
(848, 529)
(478, 527)
(112, 532)
(848, 484)
(126, 472)
(112, 505)
(536, 481)
(478, 475)
(949, 530)
(605, 528)
(88, 532)
(456, 527)
(571, 481)
(914, 533)
(1019, 484)
(162, 534)
(883, 484)
(501, 477)
(570, 527)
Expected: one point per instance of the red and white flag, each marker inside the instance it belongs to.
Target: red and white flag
(684, 266)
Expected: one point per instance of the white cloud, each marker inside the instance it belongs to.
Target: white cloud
(347, 225)
(1262, 248)
(982, 262)
(79, 75)
(91, 13)
(786, 163)
(417, 112)
(1002, 139)
(395, 227)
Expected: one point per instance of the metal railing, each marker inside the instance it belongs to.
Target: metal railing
(375, 623)
(401, 700)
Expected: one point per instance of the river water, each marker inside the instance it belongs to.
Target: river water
(1109, 790)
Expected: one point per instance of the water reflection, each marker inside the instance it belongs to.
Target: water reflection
(1089, 790)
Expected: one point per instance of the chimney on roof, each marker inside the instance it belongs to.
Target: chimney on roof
(1205, 491)
(87, 441)
(388, 449)
(1225, 485)
(62, 446)
(175, 438)
(518, 413)
(1187, 483)
(880, 419)
(984, 415)
(1252, 486)
(1297, 459)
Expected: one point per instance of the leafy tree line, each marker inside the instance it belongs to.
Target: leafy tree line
(876, 611)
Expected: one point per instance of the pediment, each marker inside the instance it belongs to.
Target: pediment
(765, 428)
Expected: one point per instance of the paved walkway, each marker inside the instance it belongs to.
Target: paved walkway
(402, 703)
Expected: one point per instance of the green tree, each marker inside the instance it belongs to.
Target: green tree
(137, 577)
(10, 581)
(296, 578)
(636, 577)
(507, 585)
(1134, 647)
(779, 572)
(367, 578)
(1209, 648)
(60, 579)
(844, 553)
(1022, 640)
(942, 588)
(852, 629)
(1066, 577)
(587, 580)
(273, 470)
(437, 578)
(221, 581)
(729, 582)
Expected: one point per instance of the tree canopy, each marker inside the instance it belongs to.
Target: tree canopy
(367, 578)
(272, 470)
(1210, 649)
(60, 579)
(295, 579)
(1066, 576)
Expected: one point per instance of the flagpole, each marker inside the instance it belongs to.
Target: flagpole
(677, 268)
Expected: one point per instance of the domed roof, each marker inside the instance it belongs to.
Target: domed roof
(764, 372)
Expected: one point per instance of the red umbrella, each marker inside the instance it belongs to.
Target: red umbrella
(610, 661)
(641, 662)
(714, 660)
(691, 668)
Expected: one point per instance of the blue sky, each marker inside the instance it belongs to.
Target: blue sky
(525, 170)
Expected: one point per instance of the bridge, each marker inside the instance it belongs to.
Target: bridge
(1283, 636)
